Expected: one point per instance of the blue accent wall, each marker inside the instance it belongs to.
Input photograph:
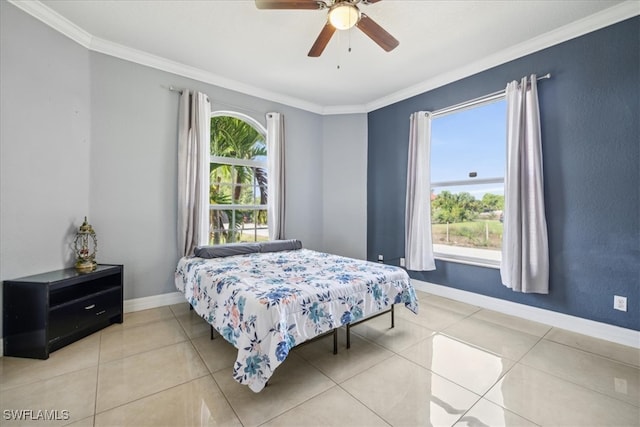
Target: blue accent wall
(591, 152)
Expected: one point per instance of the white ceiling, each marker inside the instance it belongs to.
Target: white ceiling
(264, 52)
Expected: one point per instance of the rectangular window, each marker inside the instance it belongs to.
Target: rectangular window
(468, 154)
(236, 211)
(238, 182)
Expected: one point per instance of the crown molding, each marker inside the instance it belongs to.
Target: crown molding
(59, 23)
(153, 61)
(344, 109)
(610, 16)
(576, 29)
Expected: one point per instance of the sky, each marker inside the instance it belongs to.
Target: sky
(472, 140)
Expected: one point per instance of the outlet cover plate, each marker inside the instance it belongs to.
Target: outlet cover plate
(620, 303)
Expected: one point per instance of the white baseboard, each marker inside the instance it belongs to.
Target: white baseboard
(154, 301)
(603, 331)
(579, 325)
(616, 334)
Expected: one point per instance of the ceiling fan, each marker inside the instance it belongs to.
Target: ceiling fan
(342, 15)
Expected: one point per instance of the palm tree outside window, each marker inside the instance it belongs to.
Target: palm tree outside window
(238, 180)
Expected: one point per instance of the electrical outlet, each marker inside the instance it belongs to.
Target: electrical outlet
(620, 385)
(380, 258)
(620, 303)
(401, 262)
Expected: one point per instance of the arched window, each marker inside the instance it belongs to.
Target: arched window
(238, 179)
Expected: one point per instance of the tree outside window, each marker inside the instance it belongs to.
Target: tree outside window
(238, 180)
(468, 152)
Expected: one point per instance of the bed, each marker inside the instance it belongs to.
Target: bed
(266, 302)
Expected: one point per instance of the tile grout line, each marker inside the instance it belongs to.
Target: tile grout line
(95, 399)
(226, 398)
(435, 332)
(393, 353)
(504, 374)
(163, 390)
(569, 380)
(147, 396)
(500, 378)
(298, 405)
(482, 396)
(519, 362)
(137, 354)
(363, 404)
(579, 385)
(584, 350)
(335, 383)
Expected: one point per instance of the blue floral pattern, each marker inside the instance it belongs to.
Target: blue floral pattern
(267, 303)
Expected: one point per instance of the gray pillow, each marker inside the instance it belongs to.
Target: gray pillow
(230, 249)
(280, 245)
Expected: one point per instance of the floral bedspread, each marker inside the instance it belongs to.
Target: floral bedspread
(266, 303)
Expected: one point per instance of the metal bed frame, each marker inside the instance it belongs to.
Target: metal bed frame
(334, 331)
(349, 325)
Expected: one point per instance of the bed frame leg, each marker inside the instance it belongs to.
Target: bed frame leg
(393, 323)
(335, 341)
(393, 317)
(211, 332)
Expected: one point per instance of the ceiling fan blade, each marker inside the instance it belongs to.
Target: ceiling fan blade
(370, 1)
(322, 40)
(289, 4)
(377, 33)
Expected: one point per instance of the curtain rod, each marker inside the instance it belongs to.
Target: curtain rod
(224, 104)
(479, 100)
(173, 89)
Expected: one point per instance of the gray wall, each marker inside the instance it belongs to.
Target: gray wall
(591, 152)
(45, 121)
(84, 133)
(345, 185)
(134, 168)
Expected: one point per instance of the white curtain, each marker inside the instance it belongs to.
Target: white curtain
(194, 130)
(275, 175)
(418, 240)
(525, 252)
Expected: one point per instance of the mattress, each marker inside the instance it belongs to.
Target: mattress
(267, 303)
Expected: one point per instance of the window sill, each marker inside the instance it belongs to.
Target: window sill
(477, 257)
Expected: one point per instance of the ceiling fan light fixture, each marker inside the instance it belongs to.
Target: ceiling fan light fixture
(341, 15)
(344, 16)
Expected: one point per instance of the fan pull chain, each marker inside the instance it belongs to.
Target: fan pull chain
(348, 47)
(339, 52)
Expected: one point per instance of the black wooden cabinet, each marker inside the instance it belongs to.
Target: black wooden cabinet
(45, 312)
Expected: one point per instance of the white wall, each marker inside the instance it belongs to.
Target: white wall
(45, 122)
(344, 205)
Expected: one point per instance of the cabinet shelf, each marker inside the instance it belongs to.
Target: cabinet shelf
(45, 312)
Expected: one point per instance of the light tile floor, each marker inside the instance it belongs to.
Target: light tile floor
(451, 365)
